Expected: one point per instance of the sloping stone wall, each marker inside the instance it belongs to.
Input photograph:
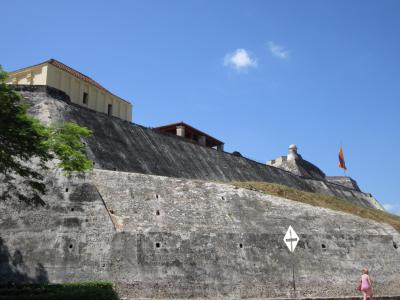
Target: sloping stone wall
(162, 237)
(120, 145)
(345, 181)
(184, 238)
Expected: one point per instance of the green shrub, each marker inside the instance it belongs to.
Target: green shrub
(97, 290)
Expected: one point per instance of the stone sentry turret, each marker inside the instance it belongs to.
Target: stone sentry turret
(295, 164)
(292, 152)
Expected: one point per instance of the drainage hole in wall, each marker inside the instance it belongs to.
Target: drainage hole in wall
(72, 209)
(323, 246)
(394, 245)
(157, 212)
(70, 246)
(104, 265)
(223, 198)
(158, 245)
(241, 245)
(156, 196)
(66, 190)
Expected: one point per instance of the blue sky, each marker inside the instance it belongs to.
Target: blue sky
(259, 75)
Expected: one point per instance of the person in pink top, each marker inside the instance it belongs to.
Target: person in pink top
(366, 284)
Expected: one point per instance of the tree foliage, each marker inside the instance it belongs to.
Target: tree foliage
(26, 146)
(65, 142)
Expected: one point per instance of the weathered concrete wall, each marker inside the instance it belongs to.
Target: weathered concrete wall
(120, 145)
(162, 237)
(67, 240)
(215, 241)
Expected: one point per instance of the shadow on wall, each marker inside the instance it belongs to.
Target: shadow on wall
(13, 269)
(18, 282)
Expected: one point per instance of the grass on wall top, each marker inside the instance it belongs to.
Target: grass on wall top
(321, 200)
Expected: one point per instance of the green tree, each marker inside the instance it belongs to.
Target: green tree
(26, 146)
(65, 142)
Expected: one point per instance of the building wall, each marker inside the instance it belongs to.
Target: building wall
(98, 100)
(33, 76)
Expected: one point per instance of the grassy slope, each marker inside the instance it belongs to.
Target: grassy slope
(320, 200)
(97, 290)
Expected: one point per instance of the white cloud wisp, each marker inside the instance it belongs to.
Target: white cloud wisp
(278, 50)
(240, 60)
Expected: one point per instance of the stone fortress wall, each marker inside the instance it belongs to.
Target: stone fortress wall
(184, 237)
(123, 146)
(162, 237)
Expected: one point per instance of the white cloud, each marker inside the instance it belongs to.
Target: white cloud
(278, 50)
(240, 60)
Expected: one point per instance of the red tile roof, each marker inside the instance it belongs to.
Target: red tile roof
(75, 73)
(212, 140)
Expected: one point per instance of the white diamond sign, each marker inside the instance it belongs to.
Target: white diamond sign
(291, 239)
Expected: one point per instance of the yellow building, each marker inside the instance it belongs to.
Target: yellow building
(80, 88)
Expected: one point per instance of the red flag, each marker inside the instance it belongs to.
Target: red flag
(341, 159)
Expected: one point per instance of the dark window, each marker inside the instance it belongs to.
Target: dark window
(85, 98)
(109, 109)
(158, 245)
